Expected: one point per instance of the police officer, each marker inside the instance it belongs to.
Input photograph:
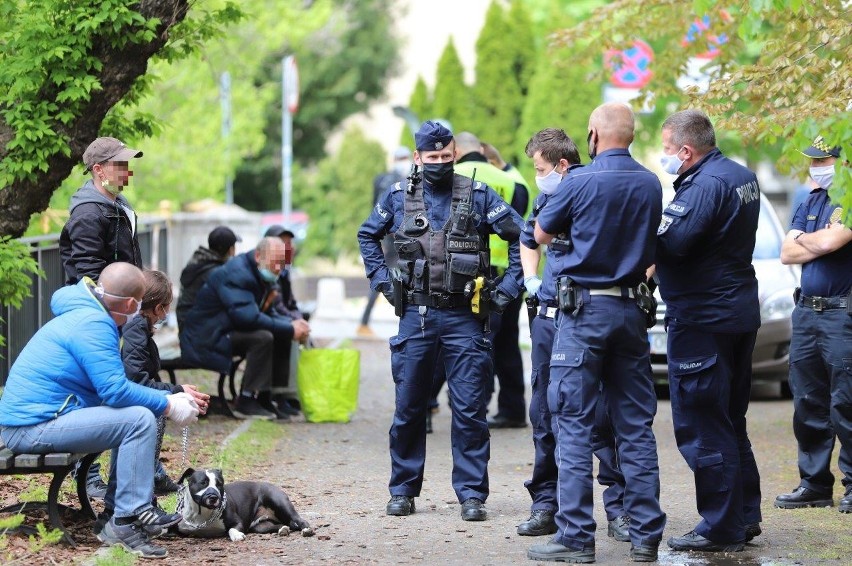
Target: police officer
(508, 364)
(600, 350)
(821, 346)
(555, 156)
(441, 226)
(705, 243)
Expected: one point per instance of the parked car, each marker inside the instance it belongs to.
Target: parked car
(776, 283)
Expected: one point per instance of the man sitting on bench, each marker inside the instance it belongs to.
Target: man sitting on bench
(68, 392)
(232, 315)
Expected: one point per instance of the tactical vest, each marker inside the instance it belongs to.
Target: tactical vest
(503, 185)
(441, 261)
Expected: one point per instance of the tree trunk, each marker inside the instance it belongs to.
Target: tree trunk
(121, 67)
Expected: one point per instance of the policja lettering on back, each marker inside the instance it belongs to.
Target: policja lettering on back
(440, 231)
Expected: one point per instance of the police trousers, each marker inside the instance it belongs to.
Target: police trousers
(542, 486)
(821, 382)
(602, 353)
(466, 355)
(710, 385)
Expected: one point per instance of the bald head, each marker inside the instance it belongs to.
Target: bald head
(613, 125)
(467, 143)
(122, 280)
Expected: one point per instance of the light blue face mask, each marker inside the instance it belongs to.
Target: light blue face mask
(671, 164)
(823, 175)
(268, 275)
(548, 183)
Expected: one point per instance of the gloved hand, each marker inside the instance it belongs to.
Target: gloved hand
(387, 291)
(499, 301)
(532, 283)
(182, 409)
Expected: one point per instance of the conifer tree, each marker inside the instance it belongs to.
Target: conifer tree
(420, 104)
(452, 100)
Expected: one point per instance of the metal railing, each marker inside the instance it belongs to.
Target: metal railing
(18, 325)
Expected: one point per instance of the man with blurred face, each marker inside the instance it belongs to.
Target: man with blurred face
(232, 317)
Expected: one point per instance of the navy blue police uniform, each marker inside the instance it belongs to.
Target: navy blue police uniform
(704, 263)
(542, 485)
(609, 210)
(437, 321)
(821, 355)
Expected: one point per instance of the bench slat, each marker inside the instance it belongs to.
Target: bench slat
(61, 458)
(29, 460)
(7, 459)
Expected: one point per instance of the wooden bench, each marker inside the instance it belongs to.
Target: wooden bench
(59, 464)
(218, 403)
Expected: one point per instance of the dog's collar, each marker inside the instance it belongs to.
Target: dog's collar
(217, 512)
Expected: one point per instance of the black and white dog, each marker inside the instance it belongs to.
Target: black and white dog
(210, 508)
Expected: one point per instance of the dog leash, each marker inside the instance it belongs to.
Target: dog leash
(184, 439)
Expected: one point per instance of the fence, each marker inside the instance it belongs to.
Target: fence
(19, 324)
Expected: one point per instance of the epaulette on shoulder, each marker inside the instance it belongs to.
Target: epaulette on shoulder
(397, 186)
(479, 186)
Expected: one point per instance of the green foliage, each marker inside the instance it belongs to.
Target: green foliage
(115, 556)
(780, 79)
(17, 267)
(336, 80)
(452, 100)
(419, 103)
(341, 195)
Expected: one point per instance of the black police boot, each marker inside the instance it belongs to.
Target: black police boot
(556, 552)
(540, 523)
(473, 509)
(803, 497)
(619, 528)
(694, 541)
(643, 553)
(752, 531)
(846, 503)
(400, 506)
(499, 421)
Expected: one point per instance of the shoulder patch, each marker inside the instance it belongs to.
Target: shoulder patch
(836, 215)
(665, 223)
(678, 208)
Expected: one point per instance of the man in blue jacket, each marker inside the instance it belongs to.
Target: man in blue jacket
(81, 401)
(705, 242)
(233, 315)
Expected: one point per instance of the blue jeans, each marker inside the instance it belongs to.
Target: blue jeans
(131, 434)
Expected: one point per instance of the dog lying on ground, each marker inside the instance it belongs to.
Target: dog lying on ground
(211, 508)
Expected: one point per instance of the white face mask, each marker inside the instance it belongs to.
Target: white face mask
(549, 182)
(671, 164)
(823, 176)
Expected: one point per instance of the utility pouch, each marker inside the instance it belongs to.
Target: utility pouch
(462, 244)
(647, 303)
(420, 280)
(566, 295)
(461, 268)
(797, 294)
(398, 296)
(408, 249)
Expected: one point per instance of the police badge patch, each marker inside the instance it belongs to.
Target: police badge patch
(665, 222)
(439, 145)
(836, 215)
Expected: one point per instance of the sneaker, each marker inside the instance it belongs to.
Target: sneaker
(164, 485)
(249, 407)
(156, 517)
(131, 538)
(96, 489)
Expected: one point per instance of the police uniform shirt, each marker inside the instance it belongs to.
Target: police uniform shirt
(705, 245)
(388, 214)
(610, 210)
(546, 293)
(829, 275)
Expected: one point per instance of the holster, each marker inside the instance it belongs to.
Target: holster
(399, 298)
(532, 308)
(566, 294)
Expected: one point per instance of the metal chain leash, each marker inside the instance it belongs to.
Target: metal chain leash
(184, 447)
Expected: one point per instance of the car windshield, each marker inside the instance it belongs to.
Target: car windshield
(768, 242)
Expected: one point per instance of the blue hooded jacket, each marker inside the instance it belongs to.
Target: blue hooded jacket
(73, 362)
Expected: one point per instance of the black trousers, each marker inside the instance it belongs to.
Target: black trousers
(267, 359)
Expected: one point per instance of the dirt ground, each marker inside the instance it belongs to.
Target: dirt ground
(336, 475)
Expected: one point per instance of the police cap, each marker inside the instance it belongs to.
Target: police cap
(432, 136)
(819, 149)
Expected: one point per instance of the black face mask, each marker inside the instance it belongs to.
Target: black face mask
(593, 151)
(439, 175)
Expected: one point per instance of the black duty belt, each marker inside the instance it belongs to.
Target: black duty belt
(823, 303)
(438, 300)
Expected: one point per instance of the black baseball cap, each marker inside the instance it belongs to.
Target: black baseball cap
(221, 239)
(276, 231)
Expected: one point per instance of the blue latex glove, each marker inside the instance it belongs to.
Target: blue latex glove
(532, 283)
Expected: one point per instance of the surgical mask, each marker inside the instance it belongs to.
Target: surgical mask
(593, 150)
(160, 321)
(268, 275)
(547, 184)
(127, 316)
(671, 164)
(823, 176)
(439, 175)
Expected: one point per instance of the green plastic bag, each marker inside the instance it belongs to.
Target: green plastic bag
(328, 383)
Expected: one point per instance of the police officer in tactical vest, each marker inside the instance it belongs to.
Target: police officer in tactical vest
(441, 223)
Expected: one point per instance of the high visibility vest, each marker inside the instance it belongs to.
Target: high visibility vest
(504, 185)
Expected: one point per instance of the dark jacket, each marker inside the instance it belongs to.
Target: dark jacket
(229, 300)
(192, 278)
(141, 357)
(285, 303)
(98, 232)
